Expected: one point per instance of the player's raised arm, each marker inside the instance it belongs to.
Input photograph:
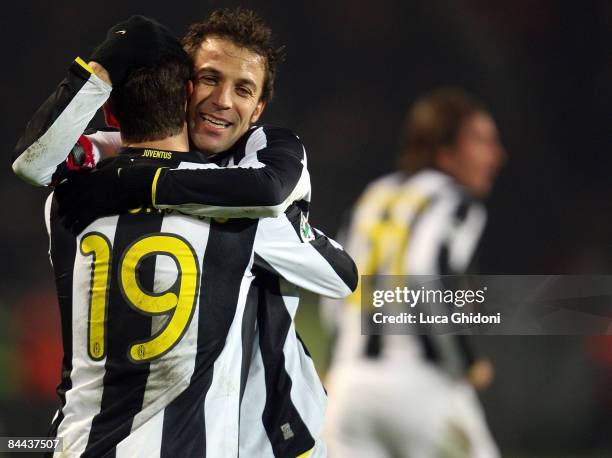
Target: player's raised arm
(288, 246)
(47, 146)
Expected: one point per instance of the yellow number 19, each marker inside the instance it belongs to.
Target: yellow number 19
(179, 307)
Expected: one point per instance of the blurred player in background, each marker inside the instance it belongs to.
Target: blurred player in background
(413, 396)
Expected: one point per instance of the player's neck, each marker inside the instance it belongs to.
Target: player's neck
(179, 142)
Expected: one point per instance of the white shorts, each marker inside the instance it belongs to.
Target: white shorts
(381, 409)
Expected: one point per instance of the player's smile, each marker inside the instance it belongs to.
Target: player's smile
(214, 122)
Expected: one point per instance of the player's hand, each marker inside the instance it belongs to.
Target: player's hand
(128, 46)
(100, 72)
(480, 374)
(87, 196)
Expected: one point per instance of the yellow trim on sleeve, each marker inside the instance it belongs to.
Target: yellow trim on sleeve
(305, 454)
(154, 187)
(83, 64)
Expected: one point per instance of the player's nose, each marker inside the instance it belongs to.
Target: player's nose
(222, 97)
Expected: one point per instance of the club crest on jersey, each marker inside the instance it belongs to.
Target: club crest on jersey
(306, 233)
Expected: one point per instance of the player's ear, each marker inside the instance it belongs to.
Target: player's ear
(109, 118)
(258, 111)
(189, 89)
(189, 93)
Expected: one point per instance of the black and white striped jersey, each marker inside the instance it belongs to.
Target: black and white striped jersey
(424, 224)
(158, 314)
(283, 401)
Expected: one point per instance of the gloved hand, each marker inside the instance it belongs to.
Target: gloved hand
(135, 43)
(114, 187)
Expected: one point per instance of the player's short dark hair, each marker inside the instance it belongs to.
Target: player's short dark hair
(150, 103)
(434, 121)
(245, 29)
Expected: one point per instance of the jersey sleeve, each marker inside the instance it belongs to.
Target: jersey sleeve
(270, 173)
(289, 247)
(53, 134)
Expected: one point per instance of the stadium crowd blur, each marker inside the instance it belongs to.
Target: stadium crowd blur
(542, 67)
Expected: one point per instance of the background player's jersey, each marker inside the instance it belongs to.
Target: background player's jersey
(424, 224)
(157, 341)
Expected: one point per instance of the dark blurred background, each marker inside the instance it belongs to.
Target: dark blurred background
(544, 68)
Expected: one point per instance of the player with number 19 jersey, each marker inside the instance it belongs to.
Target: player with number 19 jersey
(154, 309)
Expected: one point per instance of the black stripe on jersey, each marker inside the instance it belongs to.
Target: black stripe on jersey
(294, 215)
(249, 328)
(53, 107)
(274, 321)
(443, 263)
(464, 343)
(373, 346)
(226, 258)
(429, 351)
(63, 252)
(303, 205)
(462, 346)
(124, 381)
(341, 262)
(183, 430)
(443, 256)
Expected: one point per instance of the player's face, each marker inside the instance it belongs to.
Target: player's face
(226, 96)
(477, 155)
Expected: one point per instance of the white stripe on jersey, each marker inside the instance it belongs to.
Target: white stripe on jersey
(38, 168)
(48, 204)
(464, 243)
(83, 400)
(433, 229)
(144, 442)
(222, 402)
(257, 141)
(167, 379)
(253, 436)
(307, 393)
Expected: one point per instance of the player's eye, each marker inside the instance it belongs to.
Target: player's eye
(244, 91)
(207, 79)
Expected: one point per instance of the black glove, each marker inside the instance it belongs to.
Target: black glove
(135, 43)
(114, 187)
